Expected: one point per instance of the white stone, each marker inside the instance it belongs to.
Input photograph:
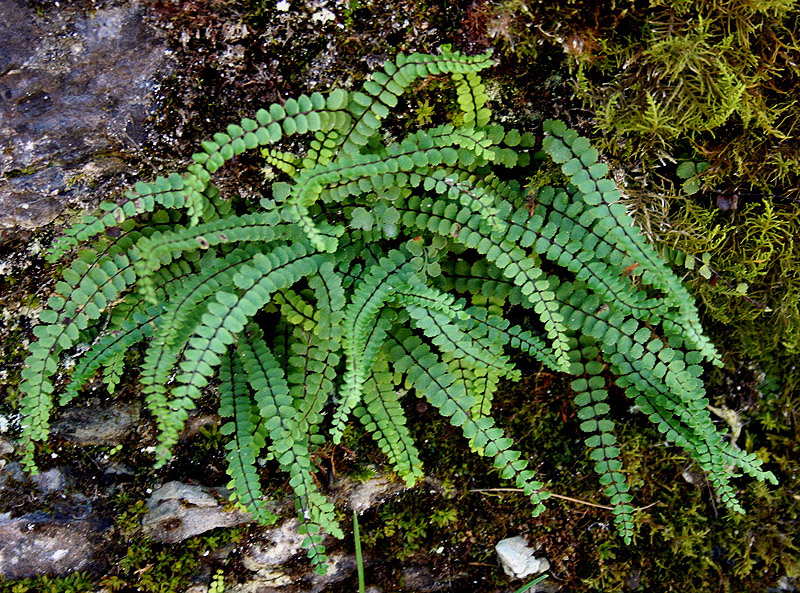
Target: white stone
(59, 554)
(323, 15)
(517, 558)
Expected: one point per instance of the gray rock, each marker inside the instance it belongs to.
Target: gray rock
(39, 544)
(517, 558)
(11, 471)
(115, 468)
(363, 496)
(340, 567)
(97, 426)
(264, 583)
(6, 448)
(274, 547)
(178, 511)
(73, 86)
(421, 578)
(53, 480)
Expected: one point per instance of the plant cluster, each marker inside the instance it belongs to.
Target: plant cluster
(379, 266)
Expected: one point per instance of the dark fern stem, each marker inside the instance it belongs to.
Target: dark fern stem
(375, 257)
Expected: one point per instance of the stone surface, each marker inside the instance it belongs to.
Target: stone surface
(74, 88)
(274, 547)
(340, 567)
(421, 578)
(6, 448)
(178, 511)
(517, 558)
(265, 583)
(53, 480)
(107, 425)
(41, 544)
(12, 471)
(363, 496)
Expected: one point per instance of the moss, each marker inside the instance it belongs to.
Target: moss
(77, 582)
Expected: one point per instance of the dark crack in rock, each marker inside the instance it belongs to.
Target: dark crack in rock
(74, 89)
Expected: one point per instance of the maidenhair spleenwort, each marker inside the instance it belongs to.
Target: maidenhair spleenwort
(378, 266)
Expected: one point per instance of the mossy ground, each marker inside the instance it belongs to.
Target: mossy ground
(235, 56)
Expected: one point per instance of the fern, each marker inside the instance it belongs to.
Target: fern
(375, 269)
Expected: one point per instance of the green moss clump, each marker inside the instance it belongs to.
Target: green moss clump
(76, 582)
(751, 283)
(719, 74)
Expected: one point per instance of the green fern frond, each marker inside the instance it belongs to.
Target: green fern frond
(579, 162)
(235, 403)
(364, 331)
(590, 396)
(383, 416)
(431, 380)
(288, 440)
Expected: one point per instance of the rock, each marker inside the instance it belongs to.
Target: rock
(178, 511)
(38, 544)
(340, 567)
(198, 423)
(264, 583)
(53, 480)
(6, 448)
(274, 547)
(98, 425)
(277, 545)
(422, 579)
(116, 468)
(517, 558)
(693, 476)
(11, 471)
(363, 496)
(74, 85)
